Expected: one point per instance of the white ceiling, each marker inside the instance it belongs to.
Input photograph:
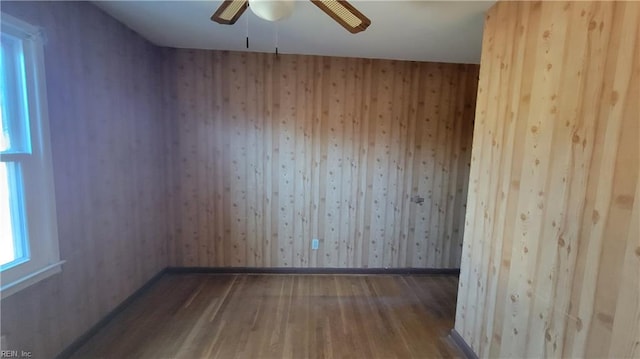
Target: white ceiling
(439, 31)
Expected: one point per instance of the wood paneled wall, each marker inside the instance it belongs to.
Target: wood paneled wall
(270, 152)
(107, 130)
(551, 256)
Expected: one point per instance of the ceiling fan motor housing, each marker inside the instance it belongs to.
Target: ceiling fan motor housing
(272, 10)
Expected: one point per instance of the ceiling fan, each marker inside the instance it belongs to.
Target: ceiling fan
(341, 11)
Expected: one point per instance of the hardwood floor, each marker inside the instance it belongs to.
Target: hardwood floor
(283, 316)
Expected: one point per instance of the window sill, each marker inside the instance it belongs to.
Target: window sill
(28, 280)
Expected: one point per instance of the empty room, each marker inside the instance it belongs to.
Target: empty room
(320, 179)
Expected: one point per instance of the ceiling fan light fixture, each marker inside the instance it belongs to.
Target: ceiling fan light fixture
(272, 10)
(340, 11)
(345, 14)
(229, 12)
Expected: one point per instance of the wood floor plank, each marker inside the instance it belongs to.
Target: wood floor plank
(283, 316)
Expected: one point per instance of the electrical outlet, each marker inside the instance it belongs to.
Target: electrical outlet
(315, 243)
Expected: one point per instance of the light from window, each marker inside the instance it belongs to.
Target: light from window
(15, 108)
(13, 234)
(7, 248)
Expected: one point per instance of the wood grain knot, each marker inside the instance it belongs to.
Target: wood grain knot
(625, 201)
(606, 319)
(614, 97)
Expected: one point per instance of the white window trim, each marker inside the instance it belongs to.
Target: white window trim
(39, 189)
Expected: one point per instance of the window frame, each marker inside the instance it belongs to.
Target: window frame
(36, 168)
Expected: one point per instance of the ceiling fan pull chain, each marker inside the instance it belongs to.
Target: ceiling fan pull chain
(277, 26)
(247, 28)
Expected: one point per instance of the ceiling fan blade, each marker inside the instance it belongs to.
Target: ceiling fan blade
(345, 14)
(229, 12)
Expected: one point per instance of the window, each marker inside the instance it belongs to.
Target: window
(28, 227)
